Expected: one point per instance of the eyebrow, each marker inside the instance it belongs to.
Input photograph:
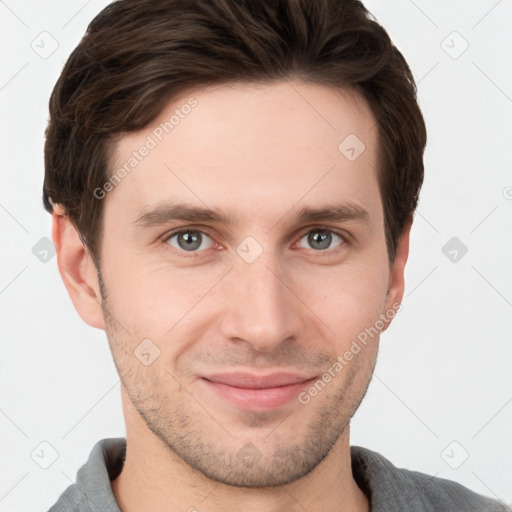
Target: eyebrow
(164, 213)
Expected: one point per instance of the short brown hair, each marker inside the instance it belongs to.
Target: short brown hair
(138, 54)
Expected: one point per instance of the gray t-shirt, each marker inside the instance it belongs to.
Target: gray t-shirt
(388, 488)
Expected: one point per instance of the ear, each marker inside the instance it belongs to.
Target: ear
(77, 269)
(396, 277)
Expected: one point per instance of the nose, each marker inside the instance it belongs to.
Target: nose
(260, 306)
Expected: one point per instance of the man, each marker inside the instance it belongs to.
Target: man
(232, 185)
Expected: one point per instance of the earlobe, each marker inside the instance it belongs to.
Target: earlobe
(77, 270)
(396, 277)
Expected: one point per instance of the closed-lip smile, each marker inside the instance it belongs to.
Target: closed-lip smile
(255, 392)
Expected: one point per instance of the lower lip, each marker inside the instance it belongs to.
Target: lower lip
(257, 399)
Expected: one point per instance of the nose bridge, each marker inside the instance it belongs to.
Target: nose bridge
(261, 309)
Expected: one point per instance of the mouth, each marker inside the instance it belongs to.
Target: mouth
(257, 392)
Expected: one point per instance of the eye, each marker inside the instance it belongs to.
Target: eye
(189, 240)
(321, 239)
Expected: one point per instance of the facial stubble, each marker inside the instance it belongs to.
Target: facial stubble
(193, 432)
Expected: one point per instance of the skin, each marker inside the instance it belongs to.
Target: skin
(260, 152)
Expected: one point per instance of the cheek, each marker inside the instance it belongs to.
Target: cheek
(348, 300)
(154, 300)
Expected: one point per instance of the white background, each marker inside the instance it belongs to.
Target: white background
(443, 373)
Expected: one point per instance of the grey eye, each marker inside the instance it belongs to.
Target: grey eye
(190, 240)
(321, 239)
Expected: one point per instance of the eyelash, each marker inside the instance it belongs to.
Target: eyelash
(193, 254)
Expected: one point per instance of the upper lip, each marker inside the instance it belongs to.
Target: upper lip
(252, 381)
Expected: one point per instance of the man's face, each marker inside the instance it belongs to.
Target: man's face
(265, 292)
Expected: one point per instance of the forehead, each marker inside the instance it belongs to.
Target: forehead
(251, 147)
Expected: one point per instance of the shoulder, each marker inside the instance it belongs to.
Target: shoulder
(407, 490)
(69, 501)
(92, 490)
